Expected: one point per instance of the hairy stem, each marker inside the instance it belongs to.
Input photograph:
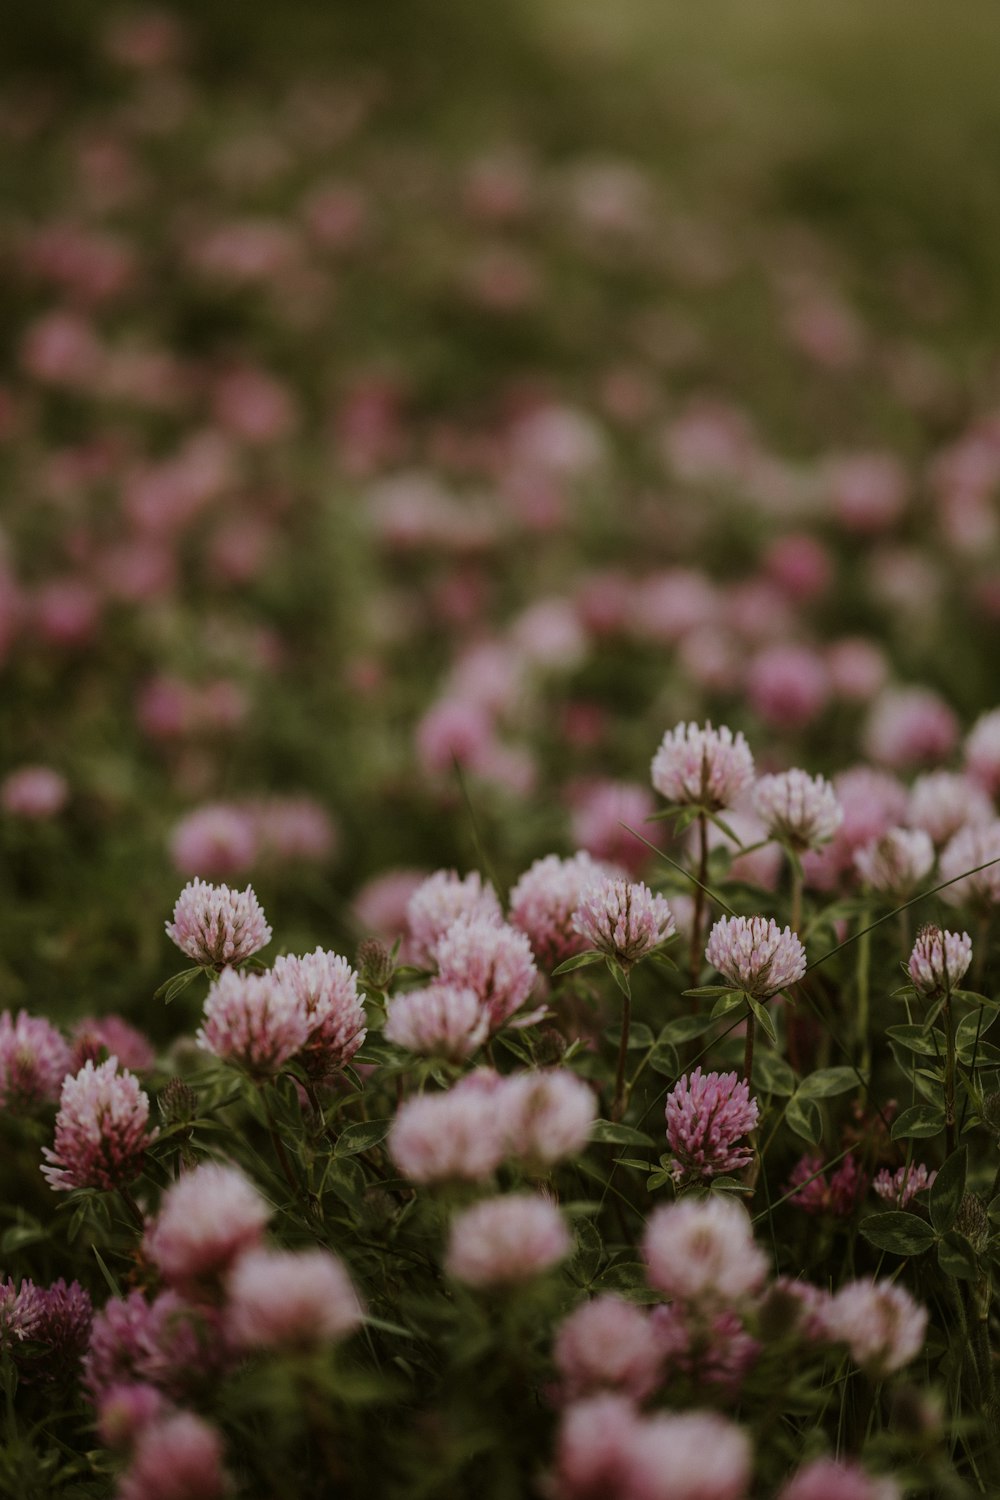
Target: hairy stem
(618, 1108)
(699, 898)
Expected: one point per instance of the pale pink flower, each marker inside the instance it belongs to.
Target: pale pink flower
(713, 1350)
(441, 1020)
(910, 727)
(982, 751)
(895, 863)
(98, 1037)
(830, 1479)
(942, 802)
(798, 809)
(600, 809)
(447, 1137)
(871, 801)
(493, 960)
(702, 1251)
(101, 1130)
(125, 1409)
(326, 988)
(754, 955)
(208, 1217)
(506, 1241)
(166, 1343)
(800, 565)
(34, 1060)
(607, 1344)
(544, 900)
(254, 1022)
(693, 1455)
(595, 1439)
(216, 926)
(439, 902)
(667, 606)
(289, 1299)
(622, 920)
(453, 730)
(791, 1305)
(939, 960)
(857, 667)
(176, 1457)
(707, 1117)
(814, 1194)
(879, 1322)
(380, 906)
(970, 848)
(900, 1187)
(218, 839)
(545, 1117)
(295, 828)
(788, 686)
(34, 792)
(549, 636)
(867, 490)
(20, 1310)
(702, 767)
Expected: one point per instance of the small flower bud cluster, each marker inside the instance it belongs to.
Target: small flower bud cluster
(102, 1130)
(623, 921)
(707, 1119)
(707, 768)
(939, 960)
(798, 809)
(754, 955)
(536, 1118)
(215, 926)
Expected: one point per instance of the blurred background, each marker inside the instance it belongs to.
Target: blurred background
(409, 410)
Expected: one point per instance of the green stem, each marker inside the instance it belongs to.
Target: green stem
(949, 1077)
(699, 898)
(618, 1108)
(796, 895)
(863, 1008)
(748, 1048)
(135, 1212)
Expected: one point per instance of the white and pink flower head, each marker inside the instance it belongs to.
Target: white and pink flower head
(702, 767)
(216, 926)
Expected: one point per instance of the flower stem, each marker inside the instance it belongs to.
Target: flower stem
(699, 898)
(134, 1211)
(748, 1049)
(618, 1108)
(949, 1076)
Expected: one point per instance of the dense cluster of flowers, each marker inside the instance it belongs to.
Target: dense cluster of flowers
(464, 1191)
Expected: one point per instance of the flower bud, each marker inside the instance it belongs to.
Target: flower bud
(177, 1102)
(375, 964)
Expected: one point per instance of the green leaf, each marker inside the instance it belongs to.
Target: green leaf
(956, 1257)
(709, 991)
(763, 1019)
(947, 1189)
(639, 1036)
(900, 1232)
(914, 1039)
(685, 1028)
(727, 1003)
(590, 1250)
(608, 1133)
(578, 961)
(619, 976)
(20, 1236)
(827, 1083)
(112, 1282)
(663, 1059)
(803, 1116)
(657, 956)
(631, 1161)
(918, 1122)
(772, 1075)
(177, 984)
(360, 1136)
